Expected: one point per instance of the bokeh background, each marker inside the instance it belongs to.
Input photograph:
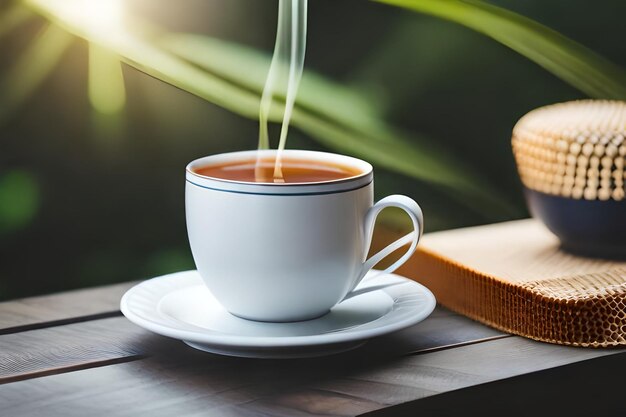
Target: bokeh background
(88, 198)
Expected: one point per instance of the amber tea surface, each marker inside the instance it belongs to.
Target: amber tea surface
(293, 171)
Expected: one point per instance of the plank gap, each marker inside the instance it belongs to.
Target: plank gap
(70, 368)
(62, 322)
(460, 344)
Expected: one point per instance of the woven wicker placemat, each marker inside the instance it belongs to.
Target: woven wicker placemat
(514, 277)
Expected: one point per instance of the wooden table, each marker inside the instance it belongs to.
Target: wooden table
(73, 354)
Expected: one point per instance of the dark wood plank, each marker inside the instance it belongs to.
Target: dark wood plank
(422, 376)
(588, 388)
(57, 309)
(442, 330)
(182, 381)
(81, 345)
(64, 348)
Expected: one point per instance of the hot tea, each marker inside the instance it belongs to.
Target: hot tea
(293, 171)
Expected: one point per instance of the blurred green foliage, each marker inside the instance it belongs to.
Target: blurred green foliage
(19, 200)
(32, 68)
(110, 201)
(582, 68)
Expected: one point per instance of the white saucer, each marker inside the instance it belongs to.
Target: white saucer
(180, 306)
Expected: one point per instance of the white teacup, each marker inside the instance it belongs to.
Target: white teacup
(287, 252)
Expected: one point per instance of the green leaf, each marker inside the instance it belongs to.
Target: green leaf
(573, 63)
(248, 67)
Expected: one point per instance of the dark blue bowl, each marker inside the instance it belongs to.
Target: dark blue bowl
(585, 227)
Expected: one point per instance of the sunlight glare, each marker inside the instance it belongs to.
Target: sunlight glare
(101, 18)
(103, 15)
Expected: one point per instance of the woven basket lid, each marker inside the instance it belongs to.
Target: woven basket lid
(575, 149)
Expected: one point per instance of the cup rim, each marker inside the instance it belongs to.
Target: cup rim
(265, 188)
(365, 167)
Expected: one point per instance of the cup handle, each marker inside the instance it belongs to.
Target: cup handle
(415, 213)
